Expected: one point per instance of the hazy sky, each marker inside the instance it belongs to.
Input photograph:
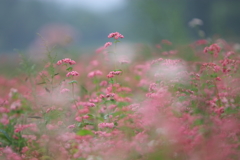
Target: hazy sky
(95, 5)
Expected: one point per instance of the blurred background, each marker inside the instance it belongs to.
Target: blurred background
(25, 25)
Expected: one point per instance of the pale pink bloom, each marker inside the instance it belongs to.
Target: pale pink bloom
(101, 96)
(79, 119)
(110, 75)
(103, 83)
(100, 49)
(59, 62)
(12, 91)
(124, 61)
(85, 117)
(89, 104)
(164, 41)
(218, 79)
(4, 110)
(60, 123)
(64, 90)
(94, 73)
(83, 111)
(110, 95)
(15, 105)
(25, 149)
(72, 73)
(106, 125)
(4, 120)
(107, 44)
(71, 126)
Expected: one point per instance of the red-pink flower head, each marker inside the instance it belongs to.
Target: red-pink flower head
(72, 73)
(66, 60)
(214, 48)
(115, 35)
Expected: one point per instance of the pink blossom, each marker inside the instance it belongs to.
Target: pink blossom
(85, 117)
(79, 119)
(25, 149)
(106, 125)
(59, 62)
(72, 73)
(214, 48)
(115, 35)
(67, 61)
(94, 73)
(4, 120)
(64, 90)
(110, 75)
(103, 83)
(107, 44)
(71, 126)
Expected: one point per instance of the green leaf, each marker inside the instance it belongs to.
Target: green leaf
(106, 116)
(210, 86)
(72, 82)
(195, 89)
(214, 75)
(69, 69)
(90, 116)
(41, 83)
(198, 122)
(6, 135)
(84, 132)
(182, 98)
(111, 81)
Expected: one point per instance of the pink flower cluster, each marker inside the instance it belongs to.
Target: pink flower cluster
(94, 73)
(106, 125)
(115, 35)
(19, 128)
(113, 73)
(67, 61)
(214, 48)
(72, 73)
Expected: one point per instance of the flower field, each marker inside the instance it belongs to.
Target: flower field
(165, 102)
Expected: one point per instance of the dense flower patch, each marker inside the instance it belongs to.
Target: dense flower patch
(115, 108)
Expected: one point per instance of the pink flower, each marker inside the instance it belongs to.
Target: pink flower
(71, 126)
(72, 73)
(110, 75)
(59, 62)
(79, 119)
(64, 90)
(106, 125)
(107, 44)
(94, 73)
(115, 35)
(214, 48)
(66, 60)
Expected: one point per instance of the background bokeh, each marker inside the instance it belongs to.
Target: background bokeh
(84, 25)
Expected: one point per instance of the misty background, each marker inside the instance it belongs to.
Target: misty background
(84, 24)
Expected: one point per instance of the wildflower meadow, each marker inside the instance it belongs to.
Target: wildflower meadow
(161, 102)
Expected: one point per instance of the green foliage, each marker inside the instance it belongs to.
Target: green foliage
(84, 132)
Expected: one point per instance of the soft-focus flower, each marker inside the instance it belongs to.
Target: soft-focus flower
(72, 73)
(107, 44)
(115, 35)
(67, 61)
